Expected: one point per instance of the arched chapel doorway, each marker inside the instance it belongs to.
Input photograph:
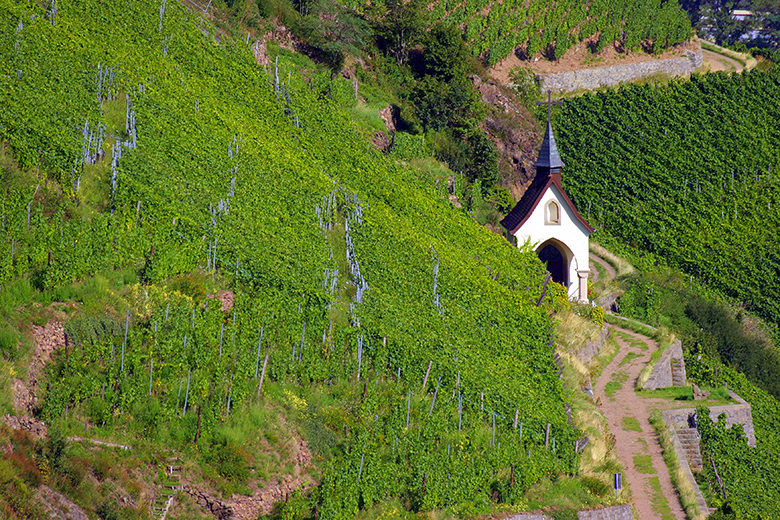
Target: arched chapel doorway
(556, 263)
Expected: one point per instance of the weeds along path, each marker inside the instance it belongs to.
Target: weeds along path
(628, 416)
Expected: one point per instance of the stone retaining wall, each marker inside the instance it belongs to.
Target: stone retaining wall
(623, 512)
(589, 79)
(682, 460)
(735, 414)
(661, 376)
(592, 348)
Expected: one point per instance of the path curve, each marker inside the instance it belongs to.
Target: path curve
(627, 404)
(611, 273)
(718, 62)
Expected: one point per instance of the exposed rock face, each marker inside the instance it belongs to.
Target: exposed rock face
(58, 505)
(512, 133)
(383, 140)
(29, 424)
(380, 141)
(216, 507)
(389, 115)
(699, 394)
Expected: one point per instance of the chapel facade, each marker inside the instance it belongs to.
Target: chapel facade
(546, 219)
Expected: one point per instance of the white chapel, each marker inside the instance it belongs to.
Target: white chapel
(546, 218)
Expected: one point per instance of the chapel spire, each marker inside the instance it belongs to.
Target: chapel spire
(549, 160)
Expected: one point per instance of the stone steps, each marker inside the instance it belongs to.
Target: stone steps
(678, 372)
(689, 439)
(164, 501)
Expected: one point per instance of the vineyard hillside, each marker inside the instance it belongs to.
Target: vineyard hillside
(493, 29)
(688, 171)
(150, 163)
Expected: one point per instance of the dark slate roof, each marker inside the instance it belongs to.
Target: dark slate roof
(548, 154)
(530, 199)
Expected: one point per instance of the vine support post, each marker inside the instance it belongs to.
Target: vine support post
(262, 376)
(547, 437)
(187, 394)
(408, 408)
(427, 373)
(435, 393)
(197, 429)
(517, 412)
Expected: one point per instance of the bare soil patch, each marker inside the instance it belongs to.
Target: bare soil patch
(580, 57)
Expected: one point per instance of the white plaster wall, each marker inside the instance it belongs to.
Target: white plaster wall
(570, 232)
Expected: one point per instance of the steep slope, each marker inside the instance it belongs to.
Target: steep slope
(143, 139)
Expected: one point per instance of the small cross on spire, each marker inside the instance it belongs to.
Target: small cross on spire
(549, 160)
(549, 104)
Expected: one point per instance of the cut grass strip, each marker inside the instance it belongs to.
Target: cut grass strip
(631, 424)
(658, 502)
(629, 357)
(644, 464)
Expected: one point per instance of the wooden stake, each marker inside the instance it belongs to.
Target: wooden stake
(262, 376)
(197, 430)
(427, 373)
(516, 414)
(547, 437)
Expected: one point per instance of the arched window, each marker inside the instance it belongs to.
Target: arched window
(553, 213)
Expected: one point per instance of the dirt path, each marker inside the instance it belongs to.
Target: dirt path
(603, 263)
(639, 451)
(720, 63)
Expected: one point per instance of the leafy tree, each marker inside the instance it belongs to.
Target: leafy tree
(333, 32)
(484, 159)
(399, 25)
(440, 104)
(445, 55)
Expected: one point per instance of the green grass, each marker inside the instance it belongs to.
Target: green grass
(633, 325)
(644, 464)
(367, 114)
(631, 424)
(629, 357)
(659, 503)
(732, 55)
(611, 388)
(718, 396)
(564, 493)
(618, 378)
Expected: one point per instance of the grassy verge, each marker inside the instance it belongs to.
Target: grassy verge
(620, 265)
(658, 500)
(598, 460)
(718, 396)
(631, 424)
(742, 59)
(680, 480)
(633, 325)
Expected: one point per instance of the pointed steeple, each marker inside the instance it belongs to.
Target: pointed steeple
(549, 160)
